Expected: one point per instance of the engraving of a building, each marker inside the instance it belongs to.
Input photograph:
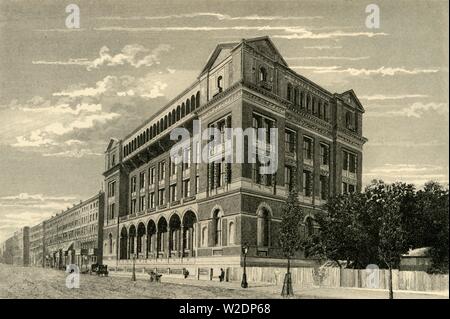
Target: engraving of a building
(202, 213)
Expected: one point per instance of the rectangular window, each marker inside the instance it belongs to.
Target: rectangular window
(350, 162)
(187, 158)
(197, 184)
(323, 187)
(289, 140)
(307, 183)
(173, 192)
(133, 184)
(112, 212)
(162, 170)
(187, 188)
(307, 148)
(161, 196)
(133, 206)
(288, 177)
(142, 203)
(152, 200)
(324, 154)
(344, 188)
(173, 169)
(351, 188)
(111, 188)
(152, 176)
(141, 180)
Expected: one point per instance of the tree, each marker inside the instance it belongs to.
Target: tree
(290, 239)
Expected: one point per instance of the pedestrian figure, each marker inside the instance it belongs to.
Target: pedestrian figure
(222, 275)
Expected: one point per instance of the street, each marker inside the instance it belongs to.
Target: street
(31, 283)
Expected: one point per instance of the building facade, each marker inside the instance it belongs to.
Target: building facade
(74, 236)
(37, 245)
(172, 214)
(19, 247)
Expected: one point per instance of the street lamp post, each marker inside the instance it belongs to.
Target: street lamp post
(133, 275)
(244, 283)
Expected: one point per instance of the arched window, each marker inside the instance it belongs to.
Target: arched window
(197, 99)
(192, 103)
(188, 106)
(217, 224)
(220, 84)
(263, 227)
(262, 74)
(231, 233)
(309, 227)
(308, 103)
(110, 243)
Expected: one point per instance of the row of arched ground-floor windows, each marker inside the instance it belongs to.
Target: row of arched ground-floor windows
(166, 121)
(178, 237)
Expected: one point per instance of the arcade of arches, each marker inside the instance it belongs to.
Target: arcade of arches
(172, 238)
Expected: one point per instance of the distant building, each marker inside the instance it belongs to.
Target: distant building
(37, 245)
(418, 259)
(167, 214)
(20, 247)
(74, 236)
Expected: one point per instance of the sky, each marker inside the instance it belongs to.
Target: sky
(64, 92)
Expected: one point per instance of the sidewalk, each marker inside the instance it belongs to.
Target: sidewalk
(273, 291)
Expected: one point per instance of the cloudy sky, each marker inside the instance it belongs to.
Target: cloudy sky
(64, 92)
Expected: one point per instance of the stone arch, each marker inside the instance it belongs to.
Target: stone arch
(162, 228)
(174, 234)
(217, 225)
(189, 233)
(151, 238)
(140, 239)
(123, 243)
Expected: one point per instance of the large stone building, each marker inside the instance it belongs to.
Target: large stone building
(19, 247)
(37, 245)
(74, 236)
(193, 214)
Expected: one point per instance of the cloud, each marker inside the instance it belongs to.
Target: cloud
(39, 197)
(305, 34)
(134, 55)
(323, 47)
(343, 58)
(416, 110)
(218, 16)
(294, 32)
(410, 173)
(73, 153)
(391, 97)
(383, 71)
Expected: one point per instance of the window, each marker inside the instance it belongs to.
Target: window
(351, 188)
(111, 188)
(133, 206)
(113, 161)
(142, 203)
(307, 148)
(289, 140)
(152, 176)
(323, 187)
(161, 196)
(263, 228)
(197, 184)
(187, 158)
(262, 74)
(231, 233)
(350, 120)
(324, 154)
(217, 222)
(350, 162)
(186, 188)
(173, 192)
(204, 236)
(112, 208)
(152, 200)
(344, 188)
(110, 243)
(307, 183)
(219, 84)
(133, 184)
(173, 169)
(162, 171)
(289, 92)
(302, 99)
(141, 180)
(288, 177)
